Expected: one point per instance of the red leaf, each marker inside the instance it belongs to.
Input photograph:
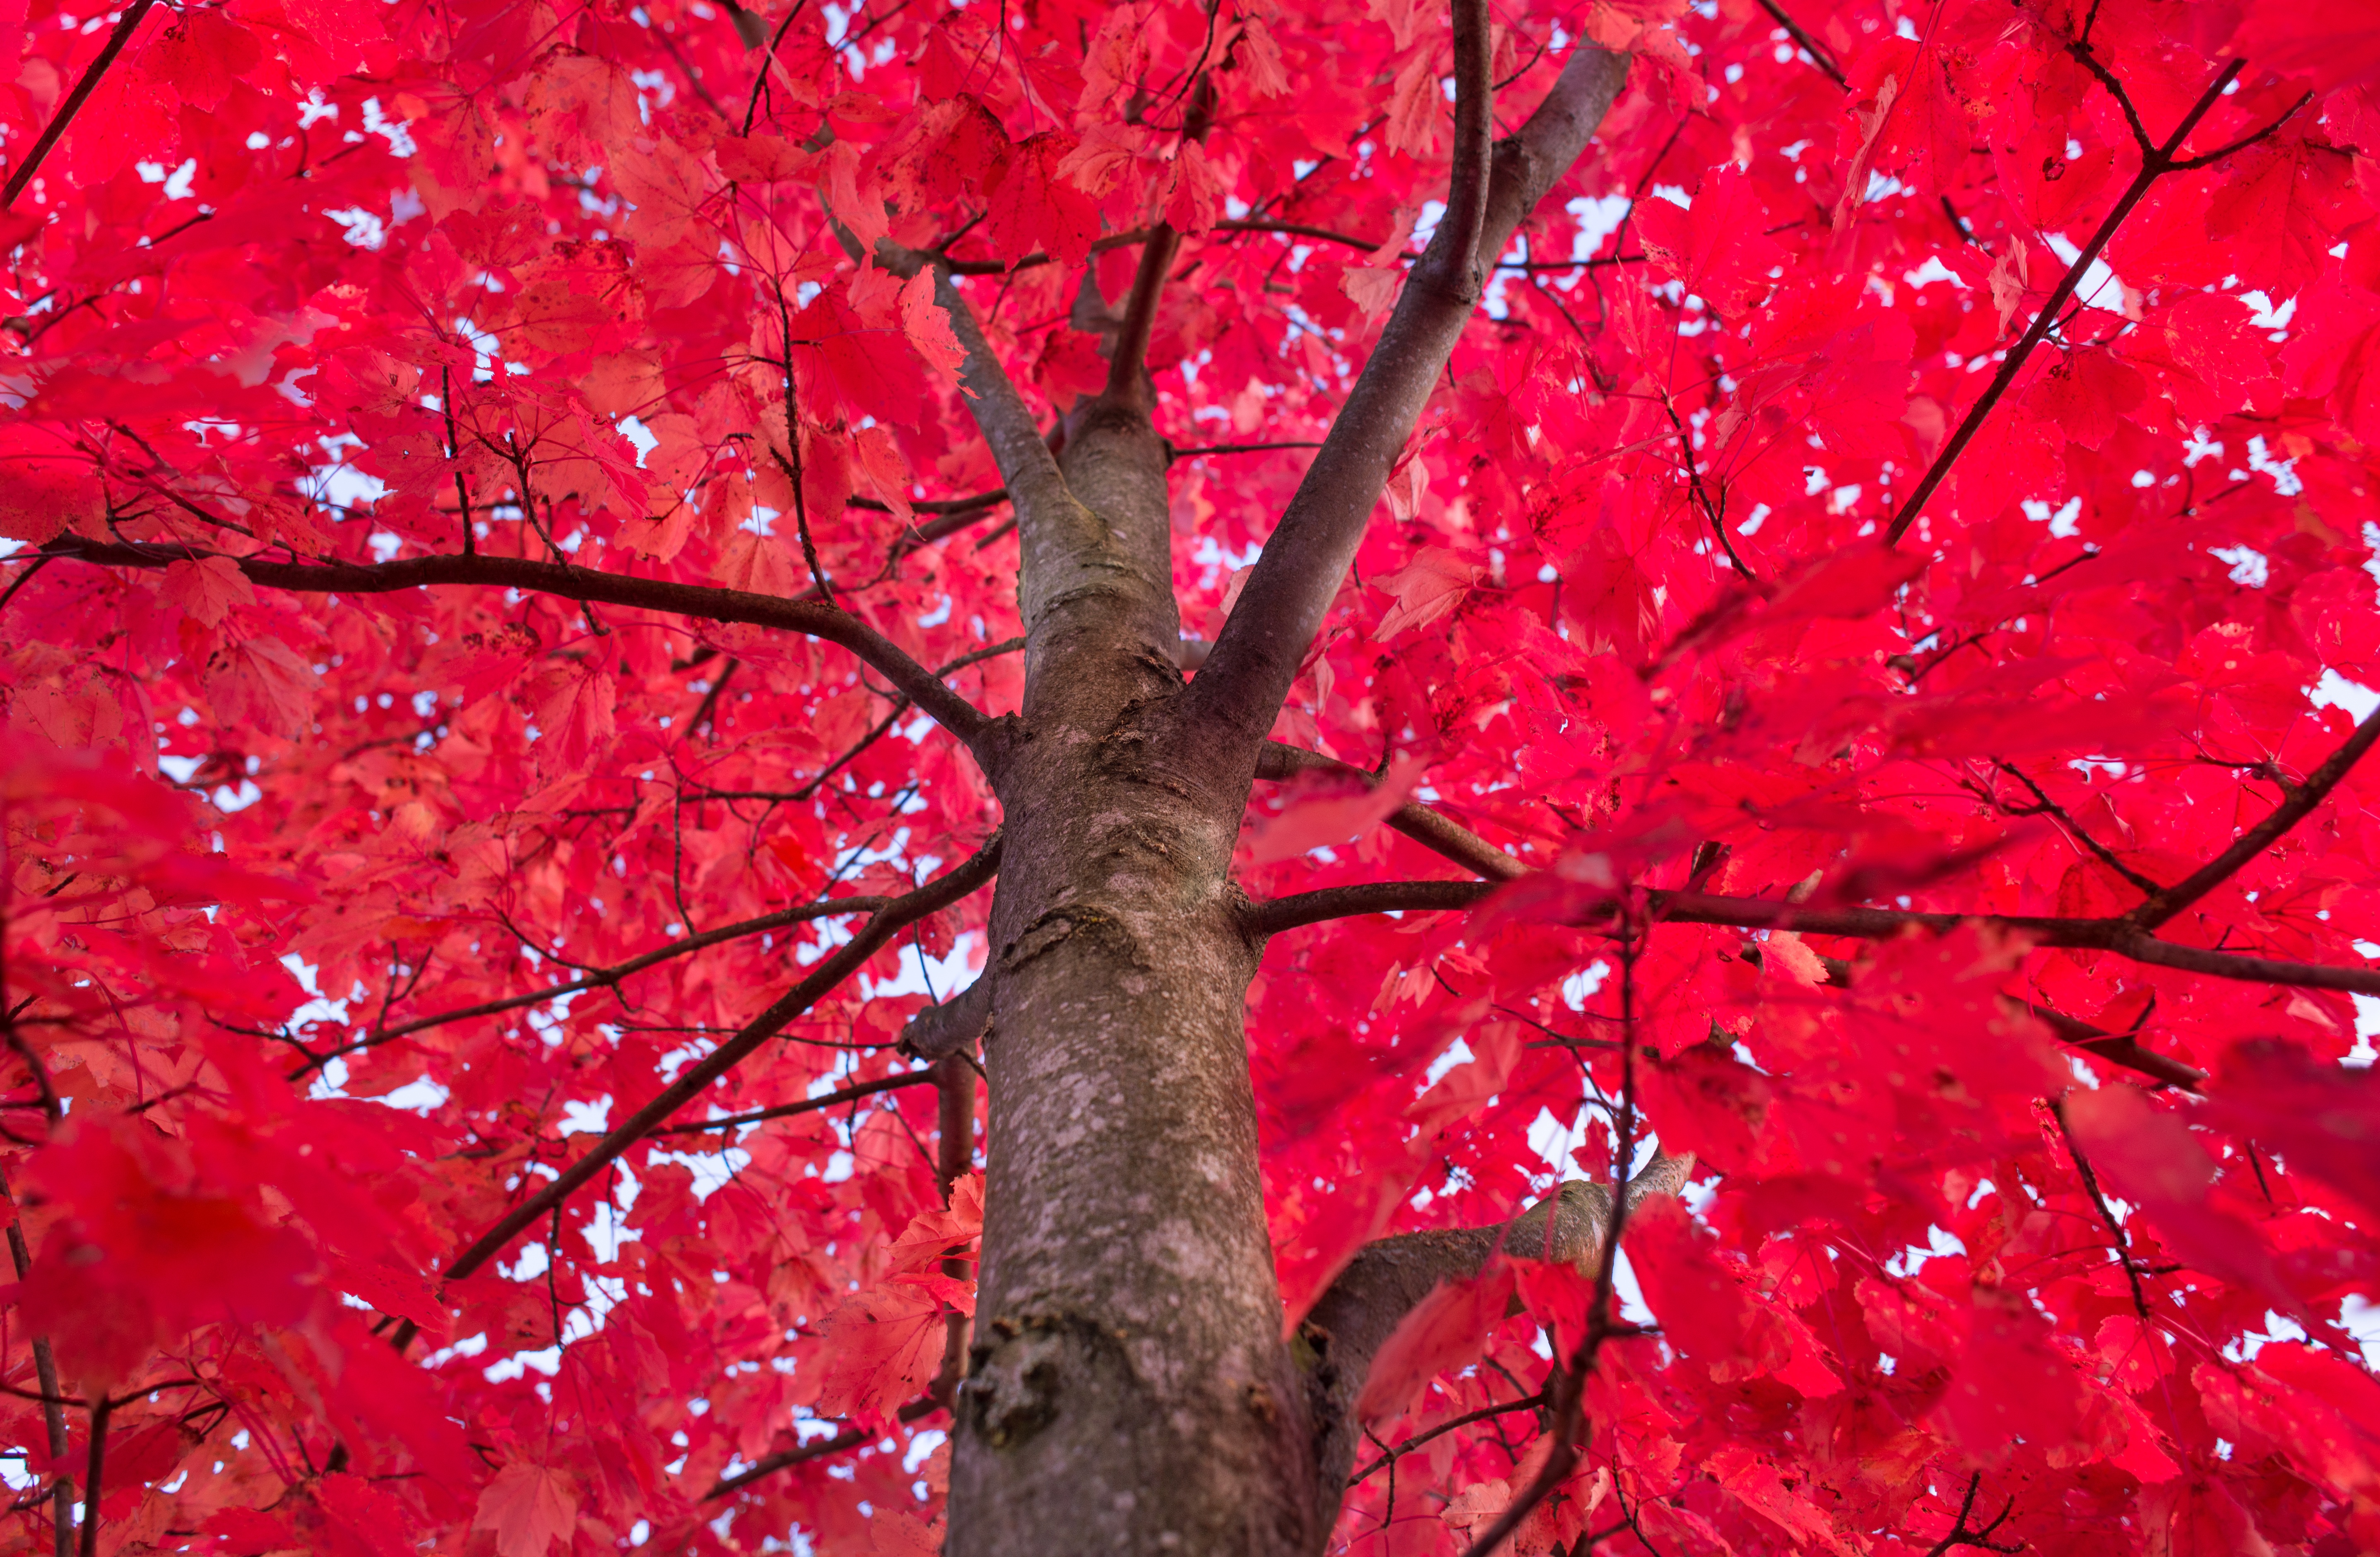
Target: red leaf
(1444, 1331)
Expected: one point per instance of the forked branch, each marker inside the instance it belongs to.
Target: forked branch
(2297, 804)
(2157, 162)
(1261, 645)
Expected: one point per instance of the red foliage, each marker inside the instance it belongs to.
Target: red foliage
(342, 918)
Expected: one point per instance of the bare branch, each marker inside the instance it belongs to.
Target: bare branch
(125, 26)
(2293, 809)
(1127, 384)
(835, 1099)
(1028, 469)
(889, 921)
(2120, 936)
(812, 618)
(1817, 52)
(1283, 606)
(1368, 897)
(1432, 829)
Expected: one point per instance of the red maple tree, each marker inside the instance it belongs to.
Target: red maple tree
(870, 778)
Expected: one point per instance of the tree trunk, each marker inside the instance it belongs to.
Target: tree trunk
(1128, 1389)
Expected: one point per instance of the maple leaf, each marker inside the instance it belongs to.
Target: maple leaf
(884, 1346)
(529, 1507)
(1714, 247)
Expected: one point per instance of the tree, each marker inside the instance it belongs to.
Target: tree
(675, 673)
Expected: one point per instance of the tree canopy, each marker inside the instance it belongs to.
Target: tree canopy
(1809, 653)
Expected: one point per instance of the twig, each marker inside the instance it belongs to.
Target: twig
(1818, 54)
(1389, 1456)
(1961, 1536)
(808, 1105)
(122, 35)
(2123, 1248)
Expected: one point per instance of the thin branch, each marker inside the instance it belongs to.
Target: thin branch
(767, 63)
(705, 603)
(887, 922)
(2106, 856)
(1127, 384)
(1566, 1389)
(23, 578)
(2117, 1049)
(849, 1438)
(2117, 935)
(122, 35)
(96, 1469)
(2154, 164)
(2294, 808)
(1526, 1403)
(605, 978)
(1818, 54)
(1368, 897)
(1432, 829)
(1248, 448)
(1282, 608)
(808, 1105)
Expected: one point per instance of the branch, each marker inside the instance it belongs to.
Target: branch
(1465, 222)
(1355, 1317)
(1256, 656)
(1027, 469)
(1432, 829)
(887, 922)
(603, 978)
(2154, 164)
(811, 618)
(91, 1476)
(1126, 383)
(1526, 1403)
(2120, 936)
(952, 1027)
(807, 1105)
(1817, 52)
(2297, 804)
(2106, 856)
(75, 100)
(849, 1438)
(2117, 1049)
(1367, 897)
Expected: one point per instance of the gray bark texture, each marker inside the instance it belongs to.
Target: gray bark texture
(1128, 1388)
